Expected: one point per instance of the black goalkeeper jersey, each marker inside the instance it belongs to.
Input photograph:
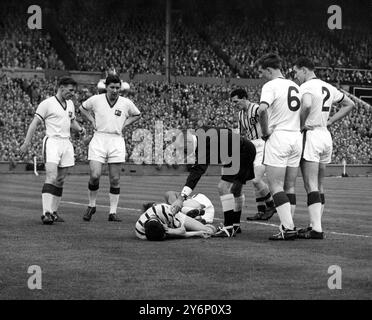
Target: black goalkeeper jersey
(216, 146)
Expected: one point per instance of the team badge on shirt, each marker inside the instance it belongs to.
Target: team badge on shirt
(117, 113)
(70, 114)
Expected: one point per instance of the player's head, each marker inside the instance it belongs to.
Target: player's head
(239, 98)
(66, 87)
(303, 69)
(154, 230)
(113, 85)
(268, 65)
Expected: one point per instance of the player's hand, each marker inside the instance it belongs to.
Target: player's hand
(176, 206)
(87, 139)
(266, 136)
(205, 235)
(329, 123)
(23, 149)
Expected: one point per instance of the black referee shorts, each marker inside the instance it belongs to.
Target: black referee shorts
(246, 170)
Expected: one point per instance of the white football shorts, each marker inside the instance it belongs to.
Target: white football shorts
(317, 145)
(59, 151)
(283, 149)
(201, 202)
(107, 147)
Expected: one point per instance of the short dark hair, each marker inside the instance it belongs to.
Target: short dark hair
(270, 60)
(112, 78)
(241, 93)
(154, 230)
(305, 62)
(65, 81)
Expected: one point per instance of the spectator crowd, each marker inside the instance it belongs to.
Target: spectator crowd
(132, 40)
(175, 105)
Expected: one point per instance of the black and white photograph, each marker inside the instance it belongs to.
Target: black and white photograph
(186, 157)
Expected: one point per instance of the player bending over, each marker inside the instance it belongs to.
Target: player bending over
(209, 145)
(158, 223)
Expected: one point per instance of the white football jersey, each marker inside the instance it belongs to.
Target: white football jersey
(110, 118)
(323, 96)
(57, 119)
(284, 100)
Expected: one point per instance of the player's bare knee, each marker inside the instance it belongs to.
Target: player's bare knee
(115, 182)
(257, 183)
(94, 179)
(224, 188)
(51, 178)
(60, 181)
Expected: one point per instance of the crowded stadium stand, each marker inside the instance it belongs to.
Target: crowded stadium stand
(204, 43)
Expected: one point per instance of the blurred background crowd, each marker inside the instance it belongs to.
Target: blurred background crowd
(178, 106)
(208, 39)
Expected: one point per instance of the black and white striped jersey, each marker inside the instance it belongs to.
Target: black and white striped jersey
(160, 211)
(249, 125)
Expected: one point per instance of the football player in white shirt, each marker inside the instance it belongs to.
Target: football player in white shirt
(58, 115)
(317, 99)
(280, 124)
(250, 128)
(112, 113)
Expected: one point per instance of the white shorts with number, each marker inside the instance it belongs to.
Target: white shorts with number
(260, 145)
(317, 145)
(59, 151)
(105, 146)
(283, 149)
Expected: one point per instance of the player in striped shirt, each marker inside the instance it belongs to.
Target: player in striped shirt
(58, 115)
(158, 223)
(317, 99)
(250, 128)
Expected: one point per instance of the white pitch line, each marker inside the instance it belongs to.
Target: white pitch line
(249, 222)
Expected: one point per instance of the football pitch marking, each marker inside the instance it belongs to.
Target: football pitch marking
(249, 222)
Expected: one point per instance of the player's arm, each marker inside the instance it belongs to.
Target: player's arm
(306, 103)
(131, 120)
(30, 133)
(196, 172)
(182, 233)
(346, 106)
(264, 120)
(88, 115)
(76, 127)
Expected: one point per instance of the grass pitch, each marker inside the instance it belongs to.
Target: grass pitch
(104, 260)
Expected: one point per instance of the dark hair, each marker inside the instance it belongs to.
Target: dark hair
(112, 78)
(154, 230)
(270, 60)
(305, 62)
(65, 81)
(241, 93)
